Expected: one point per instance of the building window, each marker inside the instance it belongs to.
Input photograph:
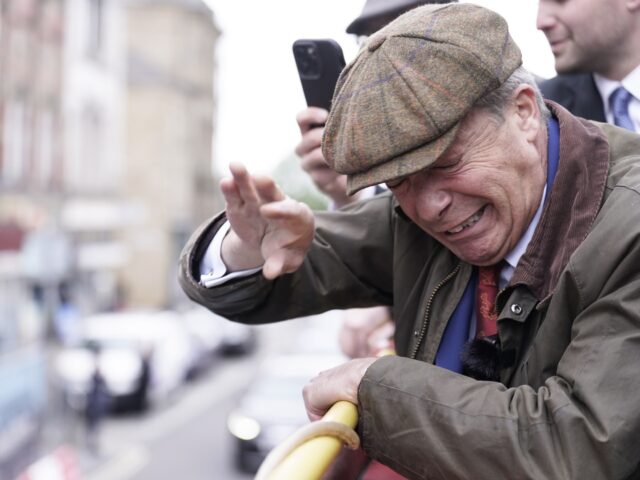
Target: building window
(15, 141)
(95, 28)
(44, 155)
(88, 170)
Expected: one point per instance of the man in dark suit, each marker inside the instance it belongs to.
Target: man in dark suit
(595, 45)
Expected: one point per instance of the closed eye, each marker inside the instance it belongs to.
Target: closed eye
(395, 183)
(445, 165)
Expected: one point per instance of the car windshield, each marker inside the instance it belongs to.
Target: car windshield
(279, 387)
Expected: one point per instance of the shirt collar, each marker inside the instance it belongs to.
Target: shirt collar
(553, 156)
(513, 257)
(606, 87)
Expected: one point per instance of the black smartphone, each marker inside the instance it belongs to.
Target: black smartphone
(319, 64)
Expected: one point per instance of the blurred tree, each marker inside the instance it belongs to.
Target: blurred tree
(297, 184)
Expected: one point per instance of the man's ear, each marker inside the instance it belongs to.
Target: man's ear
(527, 113)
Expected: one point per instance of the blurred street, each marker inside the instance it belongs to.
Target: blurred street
(184, 437)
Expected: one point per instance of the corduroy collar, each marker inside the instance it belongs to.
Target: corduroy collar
(571, 206)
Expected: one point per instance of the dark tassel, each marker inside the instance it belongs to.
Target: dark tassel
(481, 358)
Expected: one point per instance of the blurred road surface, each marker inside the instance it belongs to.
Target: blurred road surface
(187, 438)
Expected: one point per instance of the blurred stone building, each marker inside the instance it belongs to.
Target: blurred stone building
(106, 122)
(170, 105)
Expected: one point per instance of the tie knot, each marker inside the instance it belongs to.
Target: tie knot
(489, 275)
(619, 102)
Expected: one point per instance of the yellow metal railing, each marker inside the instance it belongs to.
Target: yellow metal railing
(308, 459)
(310, 451)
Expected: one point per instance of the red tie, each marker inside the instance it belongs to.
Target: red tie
(486, 293)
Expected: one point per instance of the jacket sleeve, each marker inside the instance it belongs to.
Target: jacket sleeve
(581, 422)
(349, 265)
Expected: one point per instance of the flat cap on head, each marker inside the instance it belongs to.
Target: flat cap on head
(397, 106)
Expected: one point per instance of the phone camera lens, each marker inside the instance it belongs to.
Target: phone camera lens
(307, 60)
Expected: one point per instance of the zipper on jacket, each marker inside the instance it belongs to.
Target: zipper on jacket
(427, 311)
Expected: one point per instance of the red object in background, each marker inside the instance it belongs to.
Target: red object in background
(61, 464)
(378, 471)
(11, 237)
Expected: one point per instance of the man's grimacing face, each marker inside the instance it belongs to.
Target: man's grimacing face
(479, 197)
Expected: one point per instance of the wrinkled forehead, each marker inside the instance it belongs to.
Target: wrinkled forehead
(478, 130)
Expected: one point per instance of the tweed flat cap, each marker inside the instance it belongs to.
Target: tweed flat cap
(397, 106)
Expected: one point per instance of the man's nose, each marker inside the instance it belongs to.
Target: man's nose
(432, 200)
(545, 18)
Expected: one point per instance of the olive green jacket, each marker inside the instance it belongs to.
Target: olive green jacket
(568, 404)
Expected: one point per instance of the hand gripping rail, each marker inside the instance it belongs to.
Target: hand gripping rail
(310, 451)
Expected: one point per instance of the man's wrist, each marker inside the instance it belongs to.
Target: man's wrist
(237, 255)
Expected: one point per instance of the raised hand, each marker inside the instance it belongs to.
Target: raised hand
(267, 227)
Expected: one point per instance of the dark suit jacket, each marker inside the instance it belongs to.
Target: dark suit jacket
(577, 93)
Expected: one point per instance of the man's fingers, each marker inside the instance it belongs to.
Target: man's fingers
(309, 117)
(282, 210)
(315, 407)
(338, 383)
(267, 189)
(244, 182)
(291, 225)
(314, 160)
(288, 237)
(230, 192)
(309, 142)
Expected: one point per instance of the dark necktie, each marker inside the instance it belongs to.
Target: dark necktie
(486, 293)
(619, 102)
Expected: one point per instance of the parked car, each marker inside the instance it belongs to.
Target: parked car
(237, 338)
(120, 365)
(272, 407)
(129, 346)
(206, 335)
(230, 338)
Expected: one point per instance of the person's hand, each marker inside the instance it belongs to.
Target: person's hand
(267, 227)
(328, 181)
(365, 331)
(380, 340)
(330, 386)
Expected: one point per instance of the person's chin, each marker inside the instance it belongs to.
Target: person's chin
(481, 252)
(567, 63)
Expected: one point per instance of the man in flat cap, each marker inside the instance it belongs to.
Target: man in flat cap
(508, 250)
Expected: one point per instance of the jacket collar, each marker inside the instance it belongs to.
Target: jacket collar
(571, 206)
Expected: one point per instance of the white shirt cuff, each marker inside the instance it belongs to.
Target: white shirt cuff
(212, 268)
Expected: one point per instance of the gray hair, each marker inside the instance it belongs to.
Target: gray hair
(496, 101)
